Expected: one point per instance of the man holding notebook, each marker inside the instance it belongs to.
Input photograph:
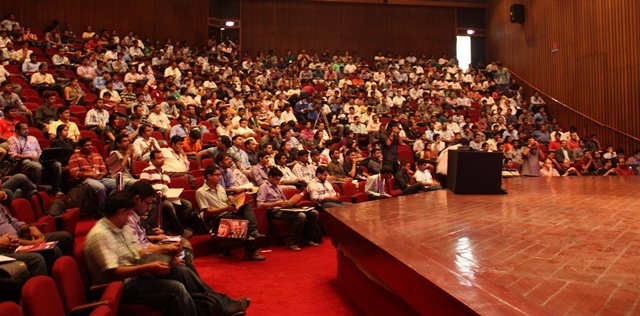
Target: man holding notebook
(214, 203)
(304, 222)
(14, 233)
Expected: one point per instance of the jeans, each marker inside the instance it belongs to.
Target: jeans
(303, 222)
(18, 186)
(413, 189)
(35, 169)
(169, 296)
(35, 262)
(169, 293)
(329, 204)
(101, 188)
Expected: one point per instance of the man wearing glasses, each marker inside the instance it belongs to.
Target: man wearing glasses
(213, 201)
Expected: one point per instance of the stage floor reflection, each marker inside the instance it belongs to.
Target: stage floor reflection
(551, 246)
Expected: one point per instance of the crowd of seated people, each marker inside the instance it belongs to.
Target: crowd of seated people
(338, 127)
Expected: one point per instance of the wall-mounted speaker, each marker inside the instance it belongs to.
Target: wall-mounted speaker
(517, 13)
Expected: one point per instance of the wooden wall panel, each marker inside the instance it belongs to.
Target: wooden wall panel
(178, 20)
(596, 70)
(365, 28)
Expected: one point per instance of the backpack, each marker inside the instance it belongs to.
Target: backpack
(206, 304)
(13, 276)
(82, 197)
(9, 167)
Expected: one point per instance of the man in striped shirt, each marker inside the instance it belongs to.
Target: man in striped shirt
(89, 167)
(175, 215)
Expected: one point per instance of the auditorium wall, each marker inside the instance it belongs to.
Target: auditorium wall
(178, 20)
(583, 53)
(365, 28)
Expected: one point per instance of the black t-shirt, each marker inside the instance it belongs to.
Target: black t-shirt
(389, 153)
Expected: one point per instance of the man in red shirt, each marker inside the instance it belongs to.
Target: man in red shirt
(7, 124)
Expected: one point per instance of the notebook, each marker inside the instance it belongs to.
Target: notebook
(37, 247)
(298, 209)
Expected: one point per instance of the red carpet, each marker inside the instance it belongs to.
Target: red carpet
(287, 283)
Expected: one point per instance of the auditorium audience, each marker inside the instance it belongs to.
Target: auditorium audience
(378, 111)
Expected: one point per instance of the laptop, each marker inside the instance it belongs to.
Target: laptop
(51, 154)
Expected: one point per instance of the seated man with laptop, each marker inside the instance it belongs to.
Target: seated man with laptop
(304, 230)
(26, 149)
(215, 205)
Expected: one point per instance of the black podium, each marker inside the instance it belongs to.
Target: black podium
(474, 172)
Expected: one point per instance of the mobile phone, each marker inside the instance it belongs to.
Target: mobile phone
(181, 254)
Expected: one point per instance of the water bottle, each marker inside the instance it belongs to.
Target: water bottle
(159, 207)
(119, 181)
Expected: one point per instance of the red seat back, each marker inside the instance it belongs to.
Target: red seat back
(349, 189)
(10, 308)
(180, 182)
(40, 297)
(68, 280)
(22, 210)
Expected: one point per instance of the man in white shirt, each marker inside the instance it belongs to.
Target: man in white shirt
(423, 176)
(159, 120)
(144, 144)
(176, 163)
(321, 191)
(173, 71)
(376, 184)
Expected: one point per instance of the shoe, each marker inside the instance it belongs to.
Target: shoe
(187, 234)
(254, 257)
(59, 194)
(312, 244)
(293, 248)
(256, 234)
(235, 307)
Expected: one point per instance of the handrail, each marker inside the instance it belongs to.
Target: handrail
(572, 109)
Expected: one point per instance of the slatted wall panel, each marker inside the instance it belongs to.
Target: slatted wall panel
(596, 70)
(178, 20)
(365, 28)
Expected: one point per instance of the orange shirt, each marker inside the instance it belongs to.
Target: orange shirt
(7, 129)
(189, 147)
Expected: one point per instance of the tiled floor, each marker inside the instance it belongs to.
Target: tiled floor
(559, 246)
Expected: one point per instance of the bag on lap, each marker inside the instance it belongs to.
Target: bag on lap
(9, 167)
(13, 275)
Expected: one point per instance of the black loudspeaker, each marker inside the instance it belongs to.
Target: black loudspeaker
(517, 13)
(474, 172)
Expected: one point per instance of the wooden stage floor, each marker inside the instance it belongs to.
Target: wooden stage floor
(557, 246)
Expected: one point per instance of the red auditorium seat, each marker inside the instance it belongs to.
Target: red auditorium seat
(22, 210)
(180, 182)
(73, 291)
(351, 194)
(34, 303)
